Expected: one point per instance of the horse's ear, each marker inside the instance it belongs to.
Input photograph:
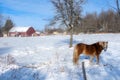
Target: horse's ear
(107, 42)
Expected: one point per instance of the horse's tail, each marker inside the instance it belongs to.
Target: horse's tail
(75, 55)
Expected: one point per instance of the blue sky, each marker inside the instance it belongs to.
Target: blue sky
(36, 12)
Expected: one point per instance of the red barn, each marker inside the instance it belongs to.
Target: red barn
(21, 31)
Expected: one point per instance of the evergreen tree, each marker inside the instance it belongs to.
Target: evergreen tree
(1, 18)
(8, 25)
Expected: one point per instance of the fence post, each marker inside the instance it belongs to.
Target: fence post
(83, 70)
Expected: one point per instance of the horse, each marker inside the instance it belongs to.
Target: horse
(92, 50)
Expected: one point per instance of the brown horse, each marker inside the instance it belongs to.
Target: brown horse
(92, 50)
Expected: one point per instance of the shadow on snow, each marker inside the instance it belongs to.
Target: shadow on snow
(23, 74)
(4, 50)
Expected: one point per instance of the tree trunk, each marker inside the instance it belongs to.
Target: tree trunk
(118, 7)
(71, 38)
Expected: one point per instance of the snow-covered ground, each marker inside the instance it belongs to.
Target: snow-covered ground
(50, 58)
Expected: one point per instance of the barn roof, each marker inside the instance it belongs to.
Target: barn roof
(19, 29)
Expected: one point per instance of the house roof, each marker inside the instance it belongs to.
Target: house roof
(19, 29)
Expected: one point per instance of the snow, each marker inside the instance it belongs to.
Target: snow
(50, 58)
(19, 29)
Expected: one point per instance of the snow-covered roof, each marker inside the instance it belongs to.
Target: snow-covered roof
(37, 32)
(19, 29)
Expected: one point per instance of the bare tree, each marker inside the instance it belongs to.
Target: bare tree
(115, 7)
(118, 7)
(68, 13)
(90, 22)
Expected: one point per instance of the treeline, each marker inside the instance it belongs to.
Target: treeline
(106, 21)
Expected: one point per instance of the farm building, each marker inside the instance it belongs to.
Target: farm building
(36, 34)
(21, 31)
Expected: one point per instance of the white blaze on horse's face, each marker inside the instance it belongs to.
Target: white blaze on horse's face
(105, 46)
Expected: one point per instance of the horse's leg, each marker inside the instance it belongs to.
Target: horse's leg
(75, 58)
(91, 58)
(97, 58)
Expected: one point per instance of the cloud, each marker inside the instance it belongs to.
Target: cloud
(37, 7)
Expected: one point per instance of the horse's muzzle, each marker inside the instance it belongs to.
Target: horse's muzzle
(105, 49)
